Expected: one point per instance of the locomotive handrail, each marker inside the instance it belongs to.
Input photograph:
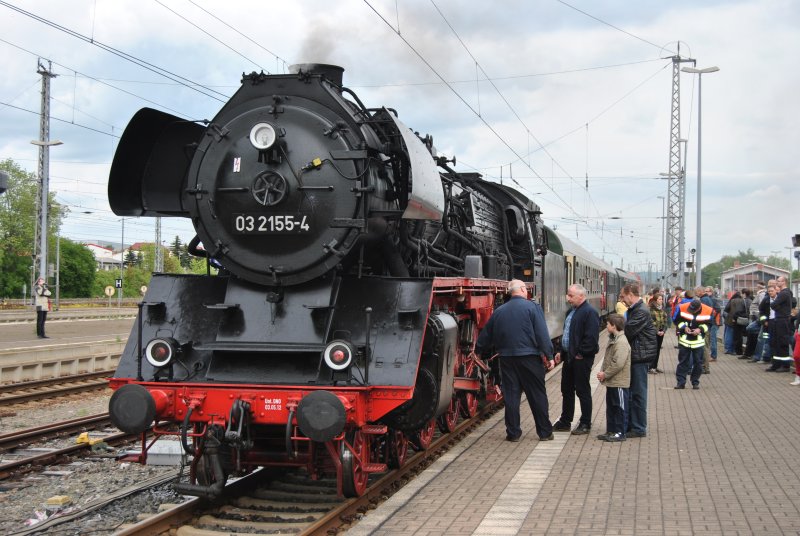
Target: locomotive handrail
(260, 346)
(221, 306)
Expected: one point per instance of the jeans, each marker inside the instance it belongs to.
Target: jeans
(689, 360)
(712, 332)
(638, 414)
(728, 339)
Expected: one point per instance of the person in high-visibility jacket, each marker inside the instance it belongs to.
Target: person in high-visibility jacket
(693, 320)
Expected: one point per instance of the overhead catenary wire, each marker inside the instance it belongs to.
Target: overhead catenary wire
(659, 47)
(259, 45)
(105, 82)
(460, 97)
(194, 86)
(209, 34)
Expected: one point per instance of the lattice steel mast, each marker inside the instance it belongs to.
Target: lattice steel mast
(676, 190)
(40, 232)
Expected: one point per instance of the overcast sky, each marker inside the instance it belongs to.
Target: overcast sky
(576, 89)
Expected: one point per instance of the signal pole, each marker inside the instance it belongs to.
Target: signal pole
(44, 143)
(158, 254)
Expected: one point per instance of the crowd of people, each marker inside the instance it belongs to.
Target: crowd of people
(760, 325)
(517, 332)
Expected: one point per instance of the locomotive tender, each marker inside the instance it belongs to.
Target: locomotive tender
(355, 269)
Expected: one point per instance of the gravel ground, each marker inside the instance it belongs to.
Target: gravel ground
(84, 480)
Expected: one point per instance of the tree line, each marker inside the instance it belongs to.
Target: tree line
(78, 273)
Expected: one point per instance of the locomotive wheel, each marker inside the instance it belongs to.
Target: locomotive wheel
(398, 449)
(421, 439)
(447, 422)
(468, 404)
(354, 478)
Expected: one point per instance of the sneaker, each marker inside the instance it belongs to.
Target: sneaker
(561, 427)
(696, 387)
(603, 437)
(659, 371)
(635, 434)
(513, 439)
(613, 438)
(548, 438)
(680, 387)
(651, 371)
(796, 381)
(582, 429)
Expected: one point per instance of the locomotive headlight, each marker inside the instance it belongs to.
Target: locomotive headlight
(262, 136)
(159, 352)
(338, 354)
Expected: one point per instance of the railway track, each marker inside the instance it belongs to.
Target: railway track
(20, 438)
(270, 503)
(12, 467)
(17, 393)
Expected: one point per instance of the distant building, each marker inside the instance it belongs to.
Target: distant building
(747, 275)
(109, 259)
(104, 257)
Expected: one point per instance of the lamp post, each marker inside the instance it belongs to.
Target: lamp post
(700, 73)
(44, 185)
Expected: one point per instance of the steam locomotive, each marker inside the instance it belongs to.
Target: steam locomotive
(352, 271)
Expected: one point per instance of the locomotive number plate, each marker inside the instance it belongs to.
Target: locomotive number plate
(270, 224)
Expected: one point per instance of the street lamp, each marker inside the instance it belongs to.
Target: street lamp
(44, 159)
(699, 73)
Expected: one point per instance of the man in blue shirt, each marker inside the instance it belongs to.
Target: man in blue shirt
(518, 332)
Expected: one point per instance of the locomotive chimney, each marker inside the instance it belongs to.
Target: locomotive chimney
(334, 73)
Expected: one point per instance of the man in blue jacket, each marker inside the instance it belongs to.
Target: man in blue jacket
(579, 345)
(518, 332)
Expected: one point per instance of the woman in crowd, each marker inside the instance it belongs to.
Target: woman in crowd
(659, 317)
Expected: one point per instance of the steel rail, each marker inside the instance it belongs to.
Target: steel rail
(15, 439)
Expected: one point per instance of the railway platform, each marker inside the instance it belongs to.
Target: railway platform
(718, 460)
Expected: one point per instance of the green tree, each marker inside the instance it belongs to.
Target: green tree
(77, 270)
(131, 258)
(175, 247)
(17, 228)
(180, 251)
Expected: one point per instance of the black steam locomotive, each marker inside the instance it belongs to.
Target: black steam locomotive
(353, 269)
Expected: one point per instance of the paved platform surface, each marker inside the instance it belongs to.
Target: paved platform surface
(64, 330)
(718, 460)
